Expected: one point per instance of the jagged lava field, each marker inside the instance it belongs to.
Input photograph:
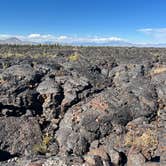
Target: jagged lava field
(82, 106)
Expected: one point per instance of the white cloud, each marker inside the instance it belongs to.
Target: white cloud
(31, 36)
(101, 39)
(4, 36)
(158, 34)
(153, 30)
(62, 37)
(39, 37)
(36, 37)
(70, 39)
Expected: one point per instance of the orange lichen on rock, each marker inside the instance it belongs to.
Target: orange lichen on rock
(98, 103)
(76, 114)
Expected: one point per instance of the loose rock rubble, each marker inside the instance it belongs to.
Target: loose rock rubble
(104, 108)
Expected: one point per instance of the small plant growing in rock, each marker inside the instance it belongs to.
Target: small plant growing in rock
(5, 65)
(42, 148)
(148, 138)
(147, 142)
(74, 57)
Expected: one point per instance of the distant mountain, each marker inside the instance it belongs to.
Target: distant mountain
(112, 43)
(160, 45)
(17, 41)
(14, 40)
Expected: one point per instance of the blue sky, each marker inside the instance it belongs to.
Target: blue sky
(137, 21)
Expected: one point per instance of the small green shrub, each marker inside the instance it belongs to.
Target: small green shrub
(5, 65)
(74, 57)
(42, 148)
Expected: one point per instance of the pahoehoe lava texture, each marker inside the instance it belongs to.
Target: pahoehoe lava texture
(90, 106)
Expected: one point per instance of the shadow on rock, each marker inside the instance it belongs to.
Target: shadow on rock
(4, 155)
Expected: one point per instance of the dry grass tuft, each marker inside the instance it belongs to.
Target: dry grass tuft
(158, 70)
(147, 139)
(147, 142)
(43, 147)
(74, 57)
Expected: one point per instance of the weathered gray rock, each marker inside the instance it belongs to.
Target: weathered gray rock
(74, 90)
(51, 95)
(19, 134)
(136, 159)
(97, 156)
(106, 106)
